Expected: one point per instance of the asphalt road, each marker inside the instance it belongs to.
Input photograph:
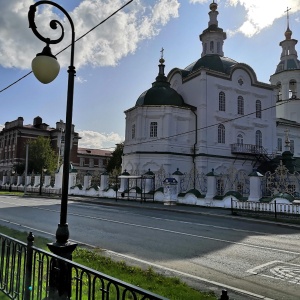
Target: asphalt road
(261, 258)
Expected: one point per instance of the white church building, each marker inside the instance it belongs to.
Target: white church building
(214, 118)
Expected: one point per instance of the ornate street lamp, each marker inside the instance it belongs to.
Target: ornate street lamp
(45, 67)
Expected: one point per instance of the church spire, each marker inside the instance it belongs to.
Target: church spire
(288, 32)
(288, 57)
(213, 37)
(161, 70)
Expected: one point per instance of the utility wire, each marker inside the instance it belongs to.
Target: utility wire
(70, 44)
(212, 125)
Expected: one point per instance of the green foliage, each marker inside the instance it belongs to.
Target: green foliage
(115, 162)
(41, 155)
(148, 279)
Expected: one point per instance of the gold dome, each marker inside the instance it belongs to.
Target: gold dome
(288, 34)
(213, 6)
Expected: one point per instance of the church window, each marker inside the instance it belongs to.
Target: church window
(240, 139)
(221, 134)
(292, 89)
(133, 131)
(292, 146)
(211, 46)
(258, 139)
(279, 144)
(240, 105)
(205, 48)
(218, 48)
(258, 109)
(153, 129)
(221, 101)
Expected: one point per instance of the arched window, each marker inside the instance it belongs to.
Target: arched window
(221, 101)
(258, 138)
(240, 105)
(133, 131)
(153, 129)
(211, 46)
(240, 139)
(279, 90)
(292, 89)
(258, 109)
(221, 134)
(218, 47)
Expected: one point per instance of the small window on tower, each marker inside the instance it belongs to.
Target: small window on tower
(211, 46)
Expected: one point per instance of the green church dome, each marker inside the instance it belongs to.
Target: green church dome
(213, 62)
(160, 93)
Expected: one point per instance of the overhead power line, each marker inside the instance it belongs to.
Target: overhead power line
(212, 125)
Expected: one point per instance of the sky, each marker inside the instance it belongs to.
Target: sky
(118, 60)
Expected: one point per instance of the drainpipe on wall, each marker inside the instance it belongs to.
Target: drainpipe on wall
(194, 147)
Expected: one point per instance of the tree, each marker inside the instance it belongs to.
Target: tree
(115, 162)
(41, 155)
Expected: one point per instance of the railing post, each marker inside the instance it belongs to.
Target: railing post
(231, 206)
(29, 255)
(275, 209)
(224, 295)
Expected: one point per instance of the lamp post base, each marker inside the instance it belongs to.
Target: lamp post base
(60, 279)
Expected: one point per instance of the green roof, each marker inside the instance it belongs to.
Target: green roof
(160, 94)
(213, 62)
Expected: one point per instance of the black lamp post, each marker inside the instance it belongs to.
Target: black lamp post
(45, 68)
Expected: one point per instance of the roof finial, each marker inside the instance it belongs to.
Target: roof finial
(162, 55)
(288, 32)
(287, 16)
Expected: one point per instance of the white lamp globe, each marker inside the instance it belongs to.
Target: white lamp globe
(45, 66)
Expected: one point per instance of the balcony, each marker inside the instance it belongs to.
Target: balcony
(248, 149)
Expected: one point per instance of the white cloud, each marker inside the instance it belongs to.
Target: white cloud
(80, 79)
(1, 127)
(97, 140)
(106, 45)
(259, 14)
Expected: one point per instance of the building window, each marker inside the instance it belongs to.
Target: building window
(81, 161)
(211, 46)
(221, 101)
(221, 134)
(258, 138)
(153, 129)
(258, 109)
(205, 48)
(292, 146)
(240, 139)
(133, 131)
(279, 144)
(91, 163)
(220, 187)
(240, 105)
